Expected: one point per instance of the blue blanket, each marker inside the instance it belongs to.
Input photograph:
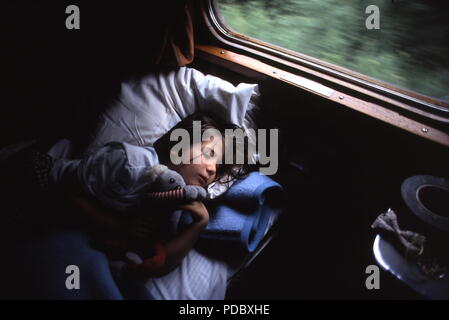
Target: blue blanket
(241, 215)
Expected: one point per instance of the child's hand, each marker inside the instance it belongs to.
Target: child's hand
(199, 212)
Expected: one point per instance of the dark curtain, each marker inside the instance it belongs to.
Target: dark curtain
(177, 48)
(49, 72)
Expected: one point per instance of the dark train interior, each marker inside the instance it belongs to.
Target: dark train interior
(340, 165)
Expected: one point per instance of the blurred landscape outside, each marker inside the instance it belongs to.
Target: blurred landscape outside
(410, 50)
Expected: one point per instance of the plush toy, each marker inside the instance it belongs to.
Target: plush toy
(166, 184)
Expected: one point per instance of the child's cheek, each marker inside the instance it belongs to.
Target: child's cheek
(188, 174)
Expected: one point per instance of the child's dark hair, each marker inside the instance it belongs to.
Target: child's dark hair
(234, 171)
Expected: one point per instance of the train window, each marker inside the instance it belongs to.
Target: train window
(404, 43)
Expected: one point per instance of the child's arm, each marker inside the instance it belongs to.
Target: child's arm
(173, 251)
(176, 249)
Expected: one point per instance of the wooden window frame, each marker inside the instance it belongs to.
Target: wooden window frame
(396, 106)
(231, 35)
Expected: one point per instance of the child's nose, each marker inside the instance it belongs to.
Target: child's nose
(211, 168)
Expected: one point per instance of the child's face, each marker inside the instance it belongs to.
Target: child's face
(204, 172)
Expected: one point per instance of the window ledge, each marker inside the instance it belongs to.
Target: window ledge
(329, 91)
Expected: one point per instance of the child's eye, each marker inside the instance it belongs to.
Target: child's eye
(208, 153)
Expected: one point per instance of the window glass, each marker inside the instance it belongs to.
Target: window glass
(405, 44)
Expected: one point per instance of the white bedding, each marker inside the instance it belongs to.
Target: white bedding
(197, 278)
(146, 109)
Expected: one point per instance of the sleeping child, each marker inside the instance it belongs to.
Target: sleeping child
(129, 191)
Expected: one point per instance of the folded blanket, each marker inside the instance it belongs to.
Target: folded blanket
(241, 215)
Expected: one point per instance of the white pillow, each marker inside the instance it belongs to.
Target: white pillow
(148, 107)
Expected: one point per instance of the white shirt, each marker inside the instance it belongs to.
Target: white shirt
(114, 174)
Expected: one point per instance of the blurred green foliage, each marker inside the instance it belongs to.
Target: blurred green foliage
(410, 50)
